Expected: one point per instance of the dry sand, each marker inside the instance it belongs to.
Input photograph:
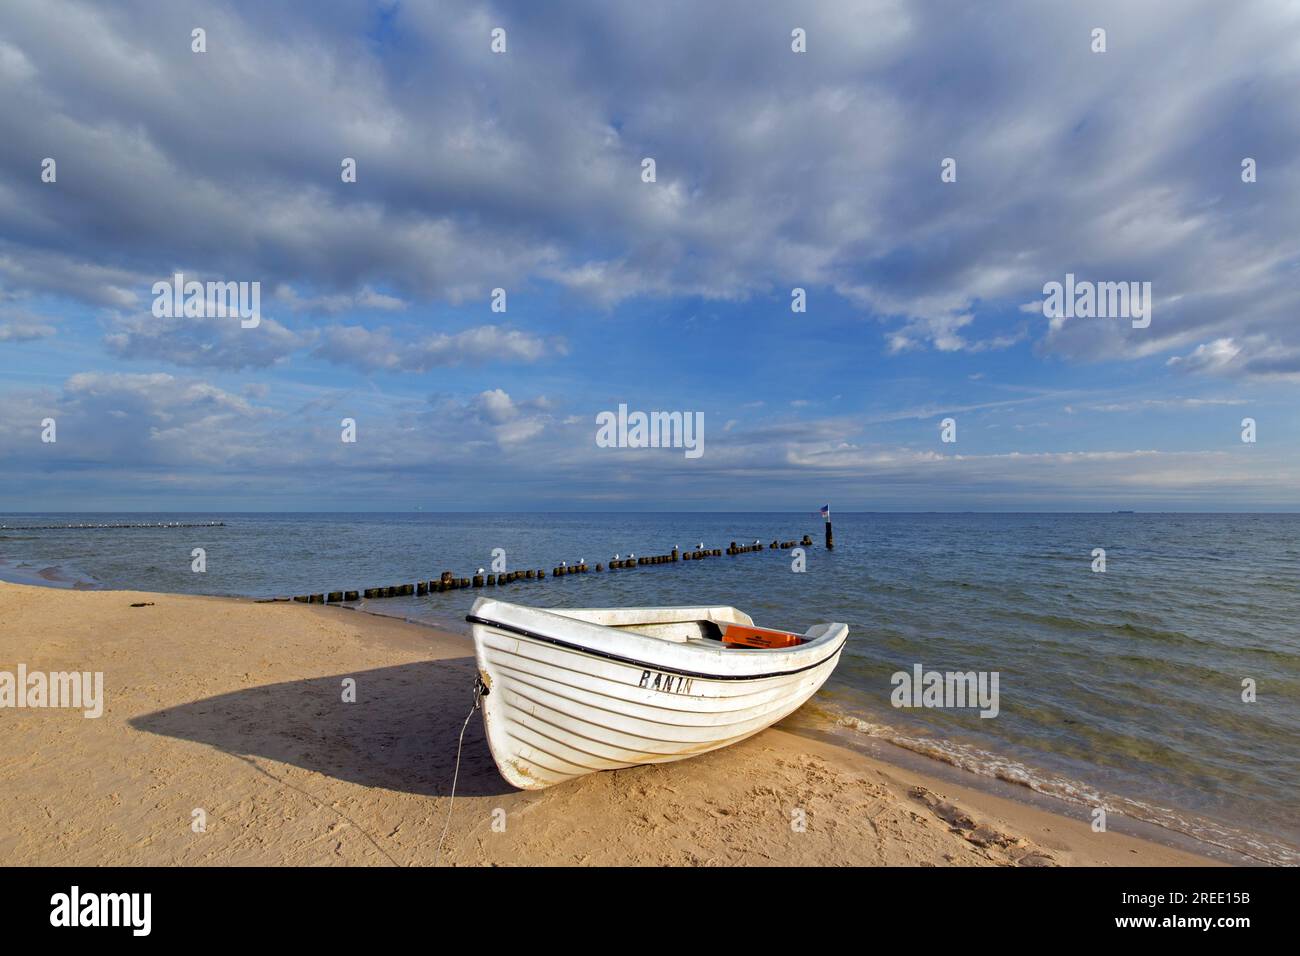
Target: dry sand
(235, 708)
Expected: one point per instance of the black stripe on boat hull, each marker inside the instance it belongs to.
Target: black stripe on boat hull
(524, 632)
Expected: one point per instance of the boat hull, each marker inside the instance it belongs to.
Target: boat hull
(557, 707)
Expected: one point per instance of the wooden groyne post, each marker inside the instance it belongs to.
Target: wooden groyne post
(447, 581)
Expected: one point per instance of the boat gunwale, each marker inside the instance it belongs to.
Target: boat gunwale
(666, 668)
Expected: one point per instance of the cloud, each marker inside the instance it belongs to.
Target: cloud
(202, 342)
(160, 396)
(818, 170)
(51, 272)
(1216, 356)
(1256, 356)
(16, 326)
(365, 298)
(1192, 404)
(510, 422)
(775, 170)
(495, 406)
(377, 350)
(121, 434)
(117, 423)
(14, 65)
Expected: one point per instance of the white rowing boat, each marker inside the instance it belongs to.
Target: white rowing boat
(569, 692)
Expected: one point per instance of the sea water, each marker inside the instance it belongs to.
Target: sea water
(1120, 688)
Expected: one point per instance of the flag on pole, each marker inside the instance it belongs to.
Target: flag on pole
(826, 512)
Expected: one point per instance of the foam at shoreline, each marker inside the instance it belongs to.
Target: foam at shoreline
(985, 763)
(38, 574)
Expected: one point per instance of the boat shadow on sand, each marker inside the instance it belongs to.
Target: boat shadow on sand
(400, 733)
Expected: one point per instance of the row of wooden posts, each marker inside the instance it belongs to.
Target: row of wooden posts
(449, 582)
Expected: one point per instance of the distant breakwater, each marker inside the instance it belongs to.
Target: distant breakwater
(448, 581)
(91, 527)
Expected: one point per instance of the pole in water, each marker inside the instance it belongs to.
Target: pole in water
(830, 535)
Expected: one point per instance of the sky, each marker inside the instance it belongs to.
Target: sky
(774, 170)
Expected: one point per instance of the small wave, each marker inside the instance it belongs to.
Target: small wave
(987, 764)
(1155, 633)
(1060, 622)
(47, 576)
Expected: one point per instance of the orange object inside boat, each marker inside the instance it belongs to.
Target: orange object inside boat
(758, 637)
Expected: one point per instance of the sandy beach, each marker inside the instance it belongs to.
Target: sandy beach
(233, 713)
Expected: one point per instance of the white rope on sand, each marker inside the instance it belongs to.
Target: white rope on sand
(478, 694)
